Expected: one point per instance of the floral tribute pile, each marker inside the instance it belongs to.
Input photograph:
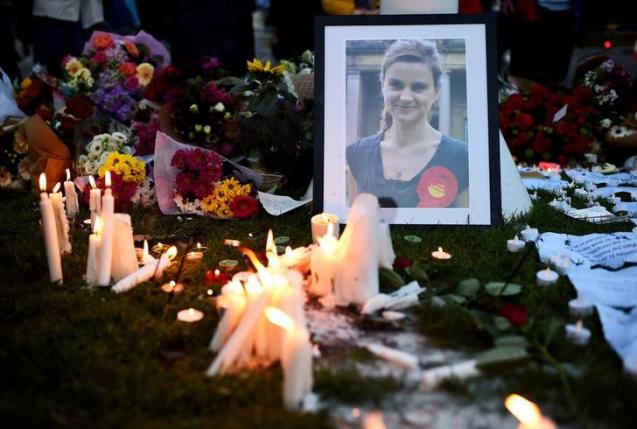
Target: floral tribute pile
(202, 187)
(543, 125)
(114, 70)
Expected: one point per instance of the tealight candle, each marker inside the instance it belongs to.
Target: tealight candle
(194, 255)
(515, 245)
(546, 277)
(529, 234)
(527, 413)
(580, 308)
(189, 315)
(320, 223)
(441, 254)
(200, 248)
(561, 263)
(578, 334)
(159, 247)
(173, 287)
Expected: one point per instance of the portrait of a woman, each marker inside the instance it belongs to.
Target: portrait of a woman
(409, 163)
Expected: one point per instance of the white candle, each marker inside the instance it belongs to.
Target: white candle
(72, 206)
(579, 307)
(527, 413)
(94, 243)
(146, 272)
(529, 234)
(386, 256)
(172, 287)
(431, 378)
(61, 221)
(95, 199)
(560, 262)
(578, 334)
(296, 358)
(146, 256)
(320, 224)
(441, 254)
(546, 277)
(515, 245)
(189, 315)
(106, 251)
(397, 357)
(233, 301)
(124, 258)
(194, 255)
(50, 234)
(324, 265)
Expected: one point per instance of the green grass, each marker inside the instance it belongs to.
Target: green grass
(72, 357)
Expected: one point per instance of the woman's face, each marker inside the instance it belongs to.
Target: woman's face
(409, 91)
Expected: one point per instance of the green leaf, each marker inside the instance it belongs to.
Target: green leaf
(417, 271)
(413, 239)
(389, 279)
(454, 299)
(468, 287)
(511, 341)
(503, 289)
(501, 323)
(436, 301)
(501, 358)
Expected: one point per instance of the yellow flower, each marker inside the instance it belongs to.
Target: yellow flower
(256, 66)
(209, 204)
(221, 194)
(130, 168)
(145, 73)
(224, 212)
(83, 73)
(26, 82)
(73, 66)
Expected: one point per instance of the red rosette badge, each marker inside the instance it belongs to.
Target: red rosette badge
(437, 187)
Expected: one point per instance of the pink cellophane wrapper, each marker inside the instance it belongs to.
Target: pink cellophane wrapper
(165, 174)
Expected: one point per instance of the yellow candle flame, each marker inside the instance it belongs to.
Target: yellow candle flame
(191, 312)
(253, 258)
(270, 247)
(198, 245)
(107, 179)
(172, 284)
(440, 249)
(524, 410)
(209, 292)
(91, 180)
(547, 272)
(516, 237)
(279, 318)
(43, 182)
(171, 253)
(97, 227)
(68, 174)
(217, 272)
(252, 286)
(56, 188)
(328, 242)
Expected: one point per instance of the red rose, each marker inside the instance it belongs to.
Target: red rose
(128, 69)
(243, 206)
(67, 123)
(541, 143)
(402, 262)
(79, 107)
(523, 120)
(514, 313)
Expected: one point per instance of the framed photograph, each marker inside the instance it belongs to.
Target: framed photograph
(406, 109)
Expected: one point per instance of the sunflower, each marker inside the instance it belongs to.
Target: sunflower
(256, 66)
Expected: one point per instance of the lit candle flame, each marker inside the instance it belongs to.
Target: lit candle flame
(91, 180)
(253, 258)
(440, 249)
(524, 410)
(97, 227)
(217, 272)
(107, 179)
(68, 174)
(43, 182)
(279, 318)
(171, 253)
(209, 292)
(516, 237)
(145, 248)
(198, 245)
(270, 247)
(56, 188)
(252, 286)
(328, 242)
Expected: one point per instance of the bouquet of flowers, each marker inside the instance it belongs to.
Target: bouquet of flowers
(99, 150)
(15, 165)
(545, 125)
(144, 127)
(113, 71)
(202, 188)
(275, 128)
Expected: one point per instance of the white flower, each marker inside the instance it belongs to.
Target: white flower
(219, 107)
(120, 137)
(605, 123)
(619, 131)
(112, 146)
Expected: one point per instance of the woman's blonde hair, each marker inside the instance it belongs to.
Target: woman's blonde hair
(410, 51)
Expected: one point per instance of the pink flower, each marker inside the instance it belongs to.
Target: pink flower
(131, 83)
(99, 57)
